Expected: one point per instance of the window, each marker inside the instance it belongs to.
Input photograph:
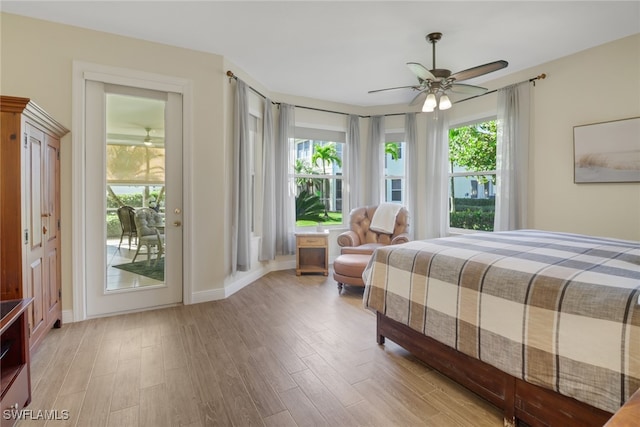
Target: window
(396, 190)
(318, 177)
(472, 176)
(394, 172)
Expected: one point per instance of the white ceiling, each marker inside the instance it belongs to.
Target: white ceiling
(337, 51)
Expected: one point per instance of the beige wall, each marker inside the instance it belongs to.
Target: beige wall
(37, 61)
(595, 85)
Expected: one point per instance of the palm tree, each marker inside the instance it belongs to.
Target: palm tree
(327, 154)
(304, 184)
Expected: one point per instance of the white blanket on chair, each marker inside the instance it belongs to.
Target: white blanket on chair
(384, 218)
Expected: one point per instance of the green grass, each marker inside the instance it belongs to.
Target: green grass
(335, 218)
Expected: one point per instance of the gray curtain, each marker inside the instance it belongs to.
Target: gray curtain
(374, 160)
(353, 159)
(241, 199)
(437, 175)
(512, 159)
(285, 191)
(268, 241)
(410, 140)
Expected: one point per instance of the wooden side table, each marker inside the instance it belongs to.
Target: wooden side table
(312, 252)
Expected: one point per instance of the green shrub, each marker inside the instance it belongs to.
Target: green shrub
(485, 205)
(309, 207)
(472, 220)
(480, 204)
(134, 200)
(475, 202)
(113, 225)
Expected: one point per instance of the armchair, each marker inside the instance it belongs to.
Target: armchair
(360, 239)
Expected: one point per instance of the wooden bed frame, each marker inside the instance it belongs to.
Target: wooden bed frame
(520, 401)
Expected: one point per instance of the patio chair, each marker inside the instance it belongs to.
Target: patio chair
(127, 224)
(148, 222)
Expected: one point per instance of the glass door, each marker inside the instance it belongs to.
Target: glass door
(133, 189)
(135, 183)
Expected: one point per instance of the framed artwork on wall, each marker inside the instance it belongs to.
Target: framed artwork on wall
(607, 152)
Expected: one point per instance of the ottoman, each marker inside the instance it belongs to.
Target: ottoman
(348, 268)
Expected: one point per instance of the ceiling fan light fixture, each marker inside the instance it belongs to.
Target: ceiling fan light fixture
(445, 102)
(430, 103)
(427, 107)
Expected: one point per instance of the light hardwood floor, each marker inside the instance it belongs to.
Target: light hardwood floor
(284, 351)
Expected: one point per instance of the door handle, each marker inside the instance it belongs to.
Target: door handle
(177, 223)
(44, 229)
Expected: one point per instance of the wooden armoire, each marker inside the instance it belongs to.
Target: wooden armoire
(30, 212)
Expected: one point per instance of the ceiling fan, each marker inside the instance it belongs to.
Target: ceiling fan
(434, 85)
(151, 140)
(147, 139)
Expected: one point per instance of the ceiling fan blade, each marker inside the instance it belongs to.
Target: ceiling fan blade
(419, 98)
(479, 70)
(468, 89)
(394, 88)
(420, 71)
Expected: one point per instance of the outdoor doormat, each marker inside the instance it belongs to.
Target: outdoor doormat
(144, 269)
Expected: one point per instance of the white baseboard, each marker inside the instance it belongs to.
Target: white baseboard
(289, 264)
(235, 284)
(67, 316)
(209, 295)
(232, 285)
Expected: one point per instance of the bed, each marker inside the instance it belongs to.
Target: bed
(544, 325)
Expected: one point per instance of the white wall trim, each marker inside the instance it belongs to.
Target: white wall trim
(208, 295)
(78, 271)
(67, 316)
(219, 293)
(241, 281)
(234, 284)
(81, 72)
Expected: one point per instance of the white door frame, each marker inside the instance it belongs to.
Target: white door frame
(83, 71)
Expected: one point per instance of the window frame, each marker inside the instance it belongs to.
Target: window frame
(397, 137)
(468, 174)
(256, 143)
(313, 135)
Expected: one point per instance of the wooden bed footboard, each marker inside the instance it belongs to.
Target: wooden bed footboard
(520, 401)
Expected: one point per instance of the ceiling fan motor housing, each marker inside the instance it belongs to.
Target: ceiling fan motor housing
(441, 73)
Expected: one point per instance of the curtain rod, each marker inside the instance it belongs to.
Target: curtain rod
(531, 80)
(234, 77)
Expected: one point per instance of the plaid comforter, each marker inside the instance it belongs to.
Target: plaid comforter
(558, 310)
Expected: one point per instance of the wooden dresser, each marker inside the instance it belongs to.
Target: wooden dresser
(14, 361)
(30, 212)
